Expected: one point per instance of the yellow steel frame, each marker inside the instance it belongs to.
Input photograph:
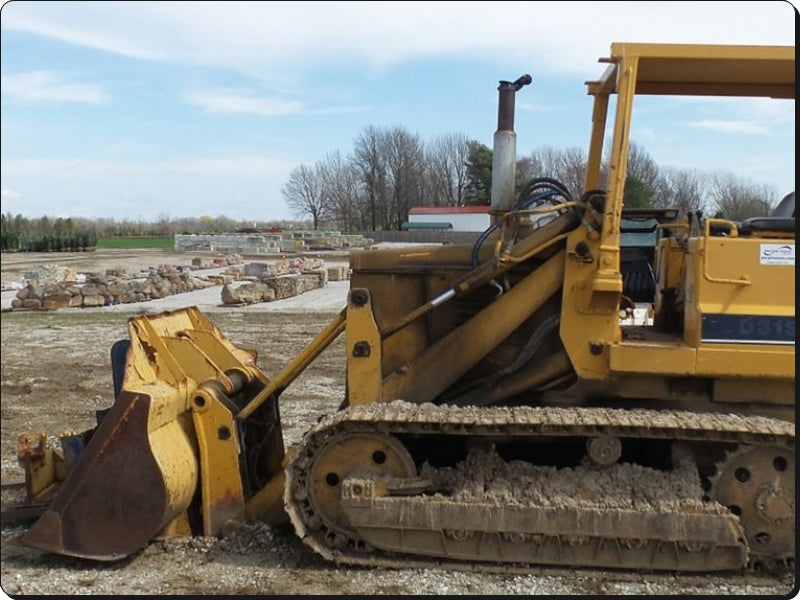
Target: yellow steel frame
(593, 283)
(187, 368)
(364, 348)
(222, 495)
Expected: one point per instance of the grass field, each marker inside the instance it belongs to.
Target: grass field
(135, 242)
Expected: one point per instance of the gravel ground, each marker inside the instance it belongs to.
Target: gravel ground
(56, 373)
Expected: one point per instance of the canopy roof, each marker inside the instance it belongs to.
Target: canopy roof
(703, 70)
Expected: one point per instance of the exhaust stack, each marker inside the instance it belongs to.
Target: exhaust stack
(504, 152)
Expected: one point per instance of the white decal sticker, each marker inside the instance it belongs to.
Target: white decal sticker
(777, 254)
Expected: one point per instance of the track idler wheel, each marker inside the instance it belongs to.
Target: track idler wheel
(756, 483)
(361, 454)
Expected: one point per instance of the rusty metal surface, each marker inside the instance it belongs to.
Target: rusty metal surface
(757, 484)
(115, 499)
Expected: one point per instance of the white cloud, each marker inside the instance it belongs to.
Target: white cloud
(773, 109)
(238, 102)
(9, 195)
(47, 86)
(745, 127)
(749, 116)
(273, 39)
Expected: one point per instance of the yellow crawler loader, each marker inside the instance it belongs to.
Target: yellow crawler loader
(500, 409)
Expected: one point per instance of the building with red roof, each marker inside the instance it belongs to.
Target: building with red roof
(450, 218)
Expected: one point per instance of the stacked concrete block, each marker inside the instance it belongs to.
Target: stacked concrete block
(257, 269)
(280, 287)
(294, 241)
(219, 242)
(264, 270)
(294, 245)
(273, 244)
(354, 240)
(288, 286)
(45, 274)
(324, 243)
(338, 273)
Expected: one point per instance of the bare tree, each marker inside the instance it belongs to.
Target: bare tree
(446, 170)
(304, 195)
(392, 170)
(643, 167)
(685, 189)
(390, 166)
(567, 166)
(368, 159)
(737, 199)
(573, 170)
(544, 161)
(526, 170)
(341, 188)
(404, 153)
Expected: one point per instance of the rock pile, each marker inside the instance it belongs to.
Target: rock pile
(266, 282)
(207, 262)
(105, 290)
(294, 266)
(51, 287)
(262, 270)
(55, 287)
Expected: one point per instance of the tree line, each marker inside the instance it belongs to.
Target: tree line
(47, 234)
(18, 233)
(391, 170)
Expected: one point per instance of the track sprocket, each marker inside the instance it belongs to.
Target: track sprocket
(757, 484)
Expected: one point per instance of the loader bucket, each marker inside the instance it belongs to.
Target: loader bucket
(142, 474)
(123, 490)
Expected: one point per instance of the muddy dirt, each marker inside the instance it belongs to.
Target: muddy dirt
(56, 373)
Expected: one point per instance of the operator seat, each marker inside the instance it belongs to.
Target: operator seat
(780, 220)
(785, 207)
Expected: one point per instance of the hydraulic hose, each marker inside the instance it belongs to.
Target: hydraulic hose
(537, 190)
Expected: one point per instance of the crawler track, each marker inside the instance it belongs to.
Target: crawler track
(322, 519)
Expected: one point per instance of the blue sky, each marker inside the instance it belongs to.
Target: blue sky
(147, 110)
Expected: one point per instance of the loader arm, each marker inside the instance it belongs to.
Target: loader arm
(168, 457)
